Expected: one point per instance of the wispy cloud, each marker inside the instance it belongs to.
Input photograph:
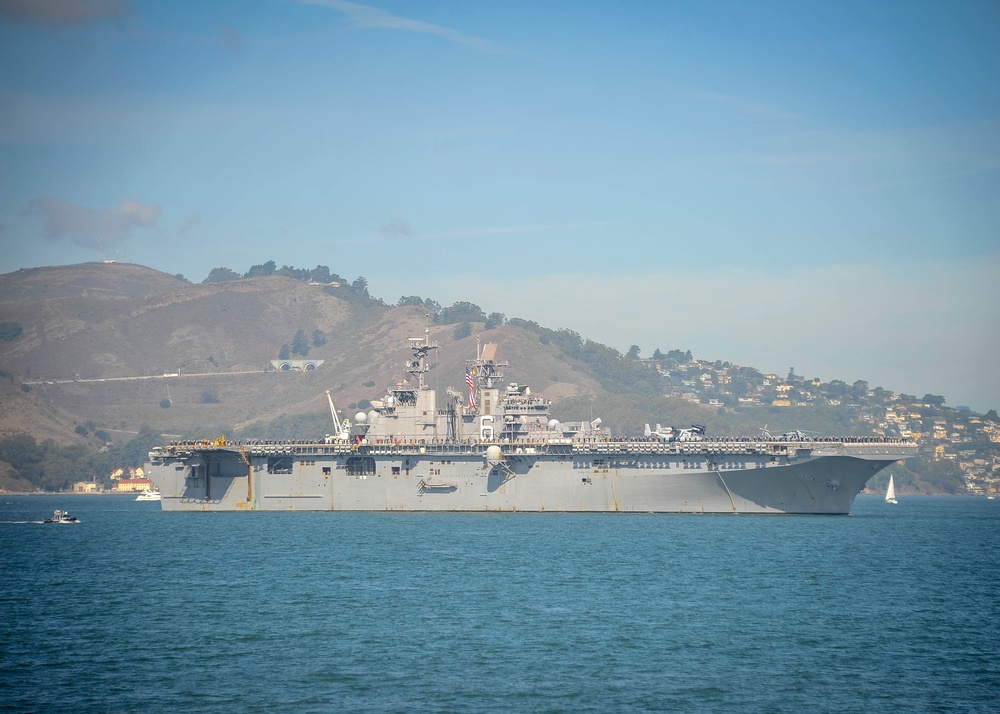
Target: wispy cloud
(231, 39)
(398, 228)
(867, 161)
(30, 117)
(189, 223)
(747, 108)
(395, 229)
(493, 231)
(973, 146)
(64, 12)
(371, 17)
(90, 228)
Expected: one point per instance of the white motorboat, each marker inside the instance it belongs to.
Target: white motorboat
(61, 517)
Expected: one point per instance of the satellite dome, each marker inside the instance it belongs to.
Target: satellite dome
(493, 455)
(360, 418)
(553, 424)
(372, 417)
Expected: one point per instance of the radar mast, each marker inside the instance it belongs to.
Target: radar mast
(485, 369)
(416, 367)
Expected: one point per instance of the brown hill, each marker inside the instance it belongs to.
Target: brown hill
(33, 413)
(99, 339)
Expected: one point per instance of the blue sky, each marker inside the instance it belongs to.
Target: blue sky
(807, 184)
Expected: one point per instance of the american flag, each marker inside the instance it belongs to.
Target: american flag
(472, 388)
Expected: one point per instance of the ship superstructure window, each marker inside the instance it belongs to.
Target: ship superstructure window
(279, 464)
(360, 466)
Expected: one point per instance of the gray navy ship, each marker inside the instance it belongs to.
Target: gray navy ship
(493, 446)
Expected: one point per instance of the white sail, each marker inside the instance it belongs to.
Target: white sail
(890, 493)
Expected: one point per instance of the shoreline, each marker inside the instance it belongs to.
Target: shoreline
(70, 493)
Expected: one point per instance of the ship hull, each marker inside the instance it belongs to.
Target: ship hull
(721, 478)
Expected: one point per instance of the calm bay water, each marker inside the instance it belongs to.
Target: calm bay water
(893, 609)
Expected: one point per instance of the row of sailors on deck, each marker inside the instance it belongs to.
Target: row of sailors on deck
(617, 440)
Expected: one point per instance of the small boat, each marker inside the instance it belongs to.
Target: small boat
(890, 493)
(148, 496)
(61, 517)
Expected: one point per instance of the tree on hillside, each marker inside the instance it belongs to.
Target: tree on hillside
(836, 389)
(318, 338)
(410, 300)
(293, 273)
(23, 453)
(320, 274)
(463, 331)
(135, 451)
(991, 416)
(220, 275)
(496, 319)
(461, 312)
(356, 292)
(300, 345)
(284, 352)
(741, 386)
(10, 331)
(633, 352)
(529, 325)
(257, 271)
(880, 396)
(934, 400)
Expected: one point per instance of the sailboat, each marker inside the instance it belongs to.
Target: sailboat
(890, 493)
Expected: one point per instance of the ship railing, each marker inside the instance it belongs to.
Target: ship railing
(254, 447)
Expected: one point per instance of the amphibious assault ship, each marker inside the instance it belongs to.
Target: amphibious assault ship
(496, 447)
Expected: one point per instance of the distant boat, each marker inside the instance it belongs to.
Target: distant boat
(148, 496)
(61, 517)
(890, 493)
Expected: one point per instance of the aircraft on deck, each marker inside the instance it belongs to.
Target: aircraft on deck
(793, 435)
(660, 432)
(696, 432)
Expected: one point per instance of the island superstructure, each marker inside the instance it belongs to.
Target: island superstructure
(496, 447)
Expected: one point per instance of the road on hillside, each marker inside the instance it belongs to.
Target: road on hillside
(174, 375)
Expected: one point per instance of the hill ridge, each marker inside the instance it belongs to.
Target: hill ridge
(100, 321)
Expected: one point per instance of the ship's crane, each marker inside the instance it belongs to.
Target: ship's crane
(342, 428)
